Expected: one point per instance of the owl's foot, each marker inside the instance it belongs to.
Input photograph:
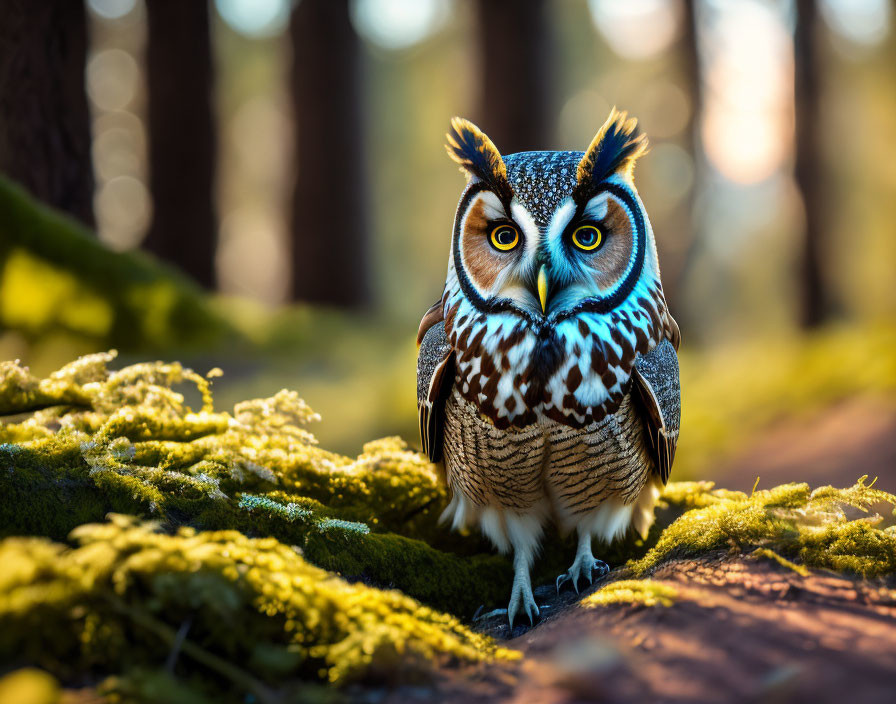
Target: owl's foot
(582, 567)
(585, 565)
(521, 598)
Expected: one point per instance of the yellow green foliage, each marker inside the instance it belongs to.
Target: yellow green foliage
(29, 686)
(271, 561)
(96, 441)
(56, 278)
(632, 591)
(820, 527)
(783, 561)
(113, 598)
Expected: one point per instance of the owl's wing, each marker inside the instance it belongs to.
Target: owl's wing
(435, 378)
(655, 376)
(430, 318)
(675, 333)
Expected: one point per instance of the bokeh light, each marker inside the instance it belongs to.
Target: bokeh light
(748, 109)
(255, 18)
(668, 174)
(636, 29)
(398, 24)
(580, 117)
(250, 259)
(864, 22)
(123, 207)
(112, 76)
(112, 9)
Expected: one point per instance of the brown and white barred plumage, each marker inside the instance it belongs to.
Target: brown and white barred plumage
(547, 375)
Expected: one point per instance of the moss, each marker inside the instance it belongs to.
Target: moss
(453, 583)
(30, 686)
(273, 560)
(85, 290)
(116, 597)
(645, 592)
(783, 561)
(132, 445)
(794, 521)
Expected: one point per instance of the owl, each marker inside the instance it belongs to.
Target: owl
(547, 373)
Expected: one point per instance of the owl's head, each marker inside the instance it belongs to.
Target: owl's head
(548, 235)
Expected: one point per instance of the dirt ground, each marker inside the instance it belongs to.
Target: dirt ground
(834, 447)
(741, 630)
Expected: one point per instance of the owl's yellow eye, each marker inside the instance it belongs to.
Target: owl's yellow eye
(505, 237)
(587, 237)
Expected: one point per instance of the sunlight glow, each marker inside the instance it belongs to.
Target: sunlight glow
(863, 22)
(398, 24)
(748, 113)
(111, 9)
(255, 18)
(124, 208)
(636, 29)
(112, 76)
(250, 258)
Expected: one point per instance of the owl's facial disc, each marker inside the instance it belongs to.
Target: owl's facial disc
(590, 249)
(496, 250)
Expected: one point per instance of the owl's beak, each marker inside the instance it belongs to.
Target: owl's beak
(543, 288)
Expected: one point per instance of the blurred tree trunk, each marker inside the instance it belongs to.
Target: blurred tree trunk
(808, 168)
(515, 59)
(44, 118)
(182, 143)
(330, 236)
(678, 255)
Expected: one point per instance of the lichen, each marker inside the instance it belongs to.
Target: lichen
(817, 527)
(645, 592)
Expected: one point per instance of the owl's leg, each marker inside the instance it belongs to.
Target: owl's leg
(520, 532)
(521, 594)
(584, 565)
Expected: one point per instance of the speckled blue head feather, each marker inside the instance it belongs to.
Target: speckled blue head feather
(542, 180)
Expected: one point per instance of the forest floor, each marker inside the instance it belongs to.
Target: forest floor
(740, 629)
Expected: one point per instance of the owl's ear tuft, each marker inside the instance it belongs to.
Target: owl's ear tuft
(615, 149)
(477, 155)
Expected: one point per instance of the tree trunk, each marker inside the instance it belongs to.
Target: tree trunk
(808, 168)
(44, 118)
(182, 143)
(330, 235)
(689, 222)
(515, 60)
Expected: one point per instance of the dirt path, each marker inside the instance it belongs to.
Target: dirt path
(741, 630)
(835, 447)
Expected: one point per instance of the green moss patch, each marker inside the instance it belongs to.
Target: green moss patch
(57, 278)
(88, 441)
(121, 596)
(644, 592)
(251, 560)
(818, 527)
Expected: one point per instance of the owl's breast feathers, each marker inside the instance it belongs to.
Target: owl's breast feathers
(571, 369)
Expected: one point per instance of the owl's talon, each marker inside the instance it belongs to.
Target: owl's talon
(583, 566)
(521, 596)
